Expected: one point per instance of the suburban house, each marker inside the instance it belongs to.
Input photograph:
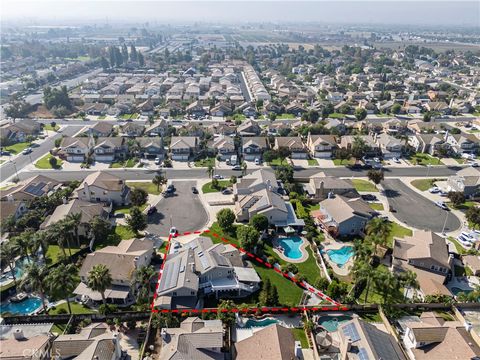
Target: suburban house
(473, 263)
(463, 143)
(106, 188)
(109, 149)
(257, 193)
(467, 181)
(182, 147)
(100, 129)
(194, 339)
(426, 143)
(319, 187)
(295, 144)
(429, 336)
(18, 131)
(87, 210)
(348, 141)
(158, 128)
(30, 188)
(342, 216)
(12, 210)
(223, 147)
(151, 147)
(358, 339)
(122, 261)
(390, 146)
(201, 268)
(76, 149)
(321, 146)
(16, 338)
(249, 128)
(133, 129)
(95, 341)
(254, 147)
(426, 254)
(273, 342)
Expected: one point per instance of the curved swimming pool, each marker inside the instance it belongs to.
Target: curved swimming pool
(330, 323)
(342, 255)
(291, 247)
(20, 265)
(260, 323)
(24, 307)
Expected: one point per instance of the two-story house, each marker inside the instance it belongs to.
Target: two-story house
(253, 148)
(109, 149)
(390, 146)
(103, 187)
(321, 146)
(466, 181)
(182, 147)
(294, 144)
(249, 128)
(76, 149)
(427, 143)
(223, 147)
(151, 147)
(463, 143)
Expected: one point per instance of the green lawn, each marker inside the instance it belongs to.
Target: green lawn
(54, 253)
(425, 159)
(462, 271)
(16, 148)
(124, 164)
(312, 162)
(126, 209)
(300, 335)
(423, 184)
(128, 116)
(48, 127)
(460, 249)
(124, 232)
(58, 328)
(285, 116)
(364, 185)
(205, 162)
(145, 185)
(278, 162)
(398, 231)
(207, 188)
(336, 116)
(464, 206)
(376, 206)
(44, 162)
(338, 162)
(76, 309)
(375, 296)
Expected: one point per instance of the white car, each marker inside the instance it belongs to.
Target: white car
(173, 231)
(441, 205)
(434, 190)
(157, 161)
(257, 161)
(216, 176)
(467, 236)
(376, 159)
(464, 242)
(396, 161)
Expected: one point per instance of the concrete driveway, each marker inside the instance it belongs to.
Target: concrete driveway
(416, 210)
(184, 210)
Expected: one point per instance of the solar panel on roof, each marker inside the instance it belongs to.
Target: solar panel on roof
(362, 354)
(35, 189)
(170, 275)
(351, 332)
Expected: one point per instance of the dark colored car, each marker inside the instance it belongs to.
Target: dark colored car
(369, 197)
(152, 210)
(194, 190)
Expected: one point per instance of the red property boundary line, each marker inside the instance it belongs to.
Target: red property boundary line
(336, 305)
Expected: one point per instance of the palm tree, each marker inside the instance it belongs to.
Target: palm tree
(98, 228)
(409, 279)
(62, 280)
(244, 168)
(379, 227)
(36, 279)
(75, 221)
(8, 255)
(42, 240)
(210, 170)
(99, 279)
(142, 277)
(55, 233)
(158, 180)
(364, 271)
(66, 232)
(23, 244)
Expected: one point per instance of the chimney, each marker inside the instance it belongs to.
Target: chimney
(18, 334)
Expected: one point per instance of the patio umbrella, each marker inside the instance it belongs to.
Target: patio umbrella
(288, 230)
(323, 340)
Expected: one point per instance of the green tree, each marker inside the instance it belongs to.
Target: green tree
(247, 236)
(158, 180)
(141, 59)
(473, 215)
(456, 197)
(375, 175)
(427, 117)
(283, 153)
(143, 276)
(138, 196)
(36, 279)
(363, 271)
(244, 168)
(42, 240)
(75, 220)
(104, 63)
(337, 289)
(17, 108)
(259, 222)
(99, 279)
(23, 243)
(359, 147)
(342, 154)
(98, 228)
(210, 170)
(225, 219)
(408, 279)
(225, 312)
(272, 116)
(264, 293)
(137, 220)
(269, 155)
(8, 256)
(62, 279)
(360, 113)
(396, 108)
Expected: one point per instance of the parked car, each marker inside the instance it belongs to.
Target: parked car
(257, 161)
(237, 167)
(194, 190)
(157, 161)
(216, 176)
(226, 191)
(173, 231)
(434, 190)
(369, 197)
(441, 205)
(27, 151)
(152, 210)
(396, 161)
(475, 164)
(464, 241)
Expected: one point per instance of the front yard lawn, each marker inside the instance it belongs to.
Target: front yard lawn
(336, 116)
(44, 162)
(278, 162)
(124, 232)
(376, 206)
(145, 185)
(16, 148)
(128, 116)
(364, 185)
(205, 162)
(285, 117)
(464, 206)
(312, 162)
(424, 159)
(398, 231)
(76, 309)
(423, 184)
(207, 188)
(126, 209)
(349, 162)
(48, 127)
(460, 249)
(121, 164)
(54, 253)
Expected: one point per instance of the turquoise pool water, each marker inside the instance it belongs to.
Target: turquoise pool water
(260, 323)
(330, 323)
(456, 291)
(19, 269)
(342, 255)
(291, 246)
(24, 307)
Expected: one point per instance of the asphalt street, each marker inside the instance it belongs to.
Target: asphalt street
(416, 210)
(184, 210)
(11, 167)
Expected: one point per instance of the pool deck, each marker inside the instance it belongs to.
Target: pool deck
(335, 245)
(303, 250)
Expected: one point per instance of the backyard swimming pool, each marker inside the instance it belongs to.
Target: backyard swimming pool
(24, 307)
(341, 256)
(19, 268)
(330, 323)
(291, 246)
(260, 323)
(456, 290)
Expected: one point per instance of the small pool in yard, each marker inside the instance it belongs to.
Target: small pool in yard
(456, 290)
(19, 269)
(330, 323)
(260, 323)
(24, 307)
(291, 246)
(342, 255)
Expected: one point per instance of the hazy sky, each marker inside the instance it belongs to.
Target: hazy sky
(429, 12)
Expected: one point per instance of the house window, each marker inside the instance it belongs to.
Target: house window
(174, 293)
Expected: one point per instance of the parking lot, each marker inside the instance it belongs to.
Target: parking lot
(416, 210)
(184, 210)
